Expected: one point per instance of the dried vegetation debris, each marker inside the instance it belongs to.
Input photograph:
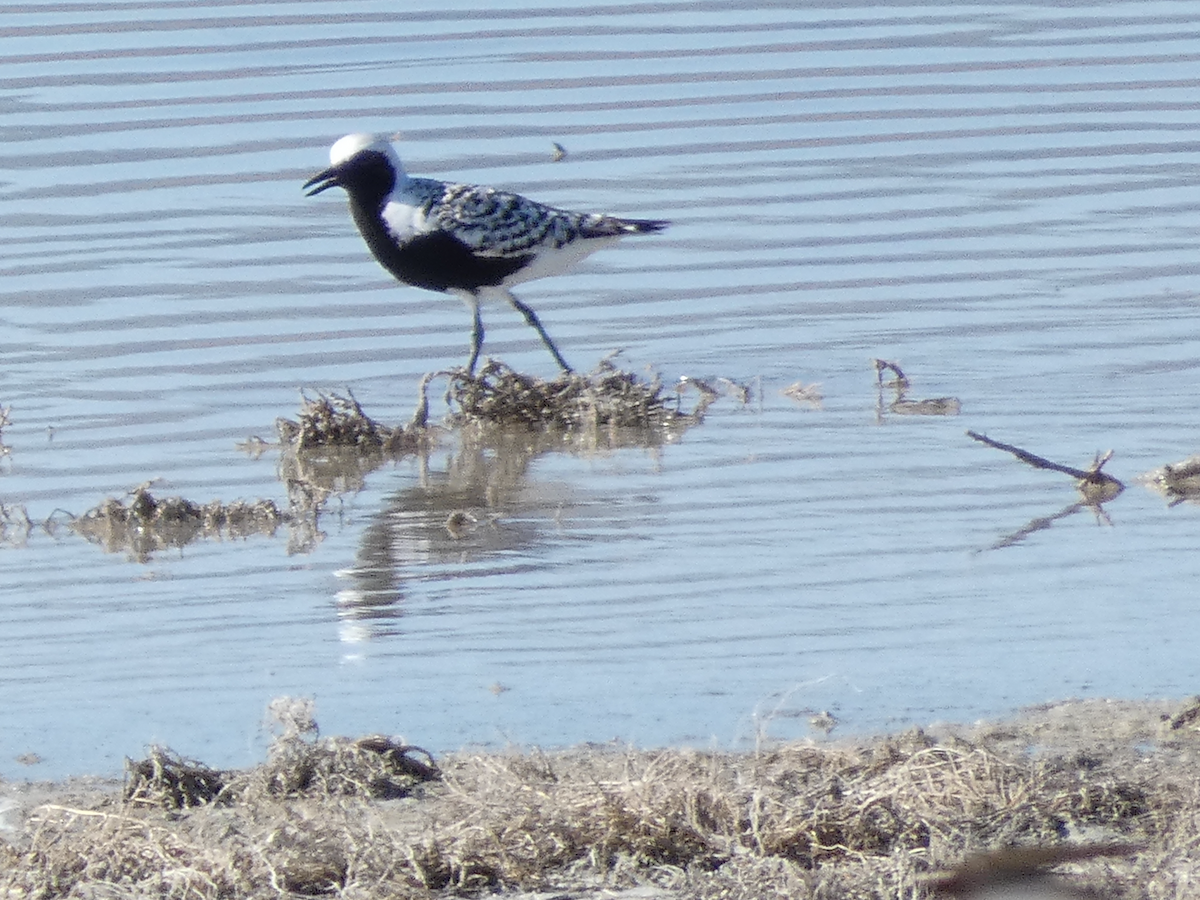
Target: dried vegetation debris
(606, 397)
(15, 525)
(1094, 485)
(145, 523)
(171, 781)
(901, 405)
(336, 421)
(1176, 481)
(1187, 718)
(332, 445)
(807, 395)
(373, 766)
(328, 450)
(871, 820)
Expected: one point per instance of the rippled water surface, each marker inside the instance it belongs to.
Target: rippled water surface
(1003, 199)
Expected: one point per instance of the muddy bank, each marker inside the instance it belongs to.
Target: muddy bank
(374, 817)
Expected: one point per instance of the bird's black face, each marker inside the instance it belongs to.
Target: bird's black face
(367, 175)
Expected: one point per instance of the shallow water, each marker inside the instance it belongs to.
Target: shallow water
(1002, 198)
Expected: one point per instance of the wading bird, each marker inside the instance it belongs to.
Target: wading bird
(473, 242)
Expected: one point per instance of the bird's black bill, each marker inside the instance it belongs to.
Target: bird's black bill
(323, 181)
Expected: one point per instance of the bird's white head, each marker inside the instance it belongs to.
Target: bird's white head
(355, 165)
(345, 148)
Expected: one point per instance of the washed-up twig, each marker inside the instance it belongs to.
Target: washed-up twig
(1095, 485)
(933, 406)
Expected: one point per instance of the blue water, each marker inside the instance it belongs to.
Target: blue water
(1002, 198)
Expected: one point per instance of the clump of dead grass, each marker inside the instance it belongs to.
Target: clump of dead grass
(373, 766)
(168, 780)
(822, 810)
(606, 397)
(330, 449)
(143, 523)
(866, 821)
(336, 422)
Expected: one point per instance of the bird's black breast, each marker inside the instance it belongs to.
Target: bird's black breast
(435, 261)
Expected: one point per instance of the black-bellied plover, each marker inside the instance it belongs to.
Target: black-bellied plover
(459, 238)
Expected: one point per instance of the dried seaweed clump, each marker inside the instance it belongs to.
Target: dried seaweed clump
(373, 766)
(1176, 481)
(605, 397)
(171, 781)
(146, 523)
(337, 422)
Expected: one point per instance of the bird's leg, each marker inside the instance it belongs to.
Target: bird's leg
(476, 333)
(532, 319)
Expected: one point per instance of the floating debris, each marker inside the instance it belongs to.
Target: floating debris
(605, 398)
(15, 525)
(743, 393)
(560, 152)
(899, 379)
(335, 421)
(804, 394)
(329, 450)
(254, 446)
(823, 721)
(460, 523)
(1095, 486)
(699, 385)
(5, 421)
(146, 523)
(1177, 482)
(332, 445)
(901, 405)
(935, 406)
(740, 390)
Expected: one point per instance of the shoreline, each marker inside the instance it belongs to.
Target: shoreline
(371, 817)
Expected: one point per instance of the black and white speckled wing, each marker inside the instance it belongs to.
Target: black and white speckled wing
(501, 224)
